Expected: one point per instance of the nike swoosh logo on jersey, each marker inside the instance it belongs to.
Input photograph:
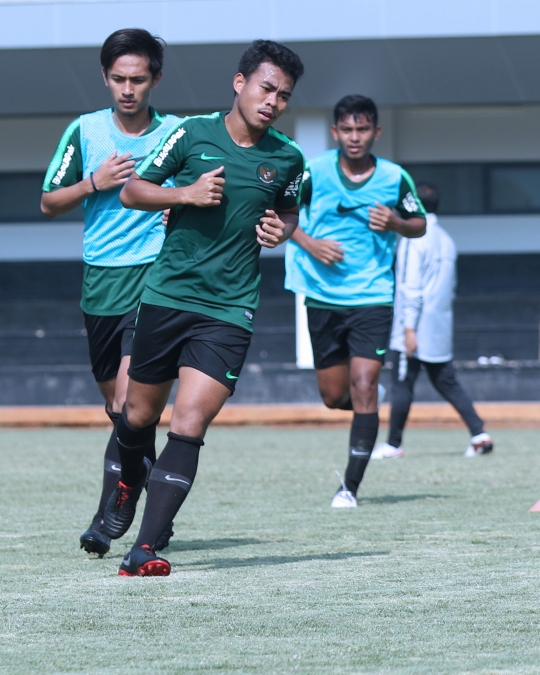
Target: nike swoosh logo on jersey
(209, 157)
(115, 468)
(231, 377)
(169, 477)
(380, 352)
(346, 209)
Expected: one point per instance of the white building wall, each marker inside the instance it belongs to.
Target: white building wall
(467, 134)
(67, 23)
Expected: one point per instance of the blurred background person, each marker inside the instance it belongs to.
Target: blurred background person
(422, 330)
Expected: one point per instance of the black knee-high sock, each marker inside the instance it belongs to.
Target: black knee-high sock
(111, 469)
(133, 445)
(170, 482)
(363, 436)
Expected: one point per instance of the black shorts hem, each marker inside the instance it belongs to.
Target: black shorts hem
(141, 379)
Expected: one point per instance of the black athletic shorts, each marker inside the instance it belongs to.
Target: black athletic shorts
(109, 339)
(166, 339)
(336, 335)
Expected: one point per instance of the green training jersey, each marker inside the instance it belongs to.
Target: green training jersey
(209, 262)
(112, 291)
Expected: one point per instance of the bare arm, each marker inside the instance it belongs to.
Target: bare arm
(146, 196)
(277, 226)
(65, 199)
(383, 219)
(112, 173)
(326, 251)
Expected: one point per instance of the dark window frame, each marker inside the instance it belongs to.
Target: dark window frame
(486, 169)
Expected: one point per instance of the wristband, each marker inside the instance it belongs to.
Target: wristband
(92, 181)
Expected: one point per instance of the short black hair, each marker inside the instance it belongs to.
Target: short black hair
(268, 51)
(133, 41)
(429, 196)
(356, 105)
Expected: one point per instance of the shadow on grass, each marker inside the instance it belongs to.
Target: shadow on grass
(212, 544)
(395, 499)
(223, 563)
(200, 545)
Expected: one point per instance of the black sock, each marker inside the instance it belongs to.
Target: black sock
(170, 482)
(111, 469)
(363, 436)
(133, 446)
(150, 452)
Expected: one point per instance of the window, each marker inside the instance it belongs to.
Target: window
(20, 195)
(514, 189)
(482, 188)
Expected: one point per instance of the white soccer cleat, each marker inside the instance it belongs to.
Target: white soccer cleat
(344, 500)
(481, 444)
(386, 451)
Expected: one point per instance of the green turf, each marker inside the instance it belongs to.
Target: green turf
(436, 572)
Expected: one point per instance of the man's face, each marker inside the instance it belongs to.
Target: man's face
(130, 82)
(355, 136)
(263, 96)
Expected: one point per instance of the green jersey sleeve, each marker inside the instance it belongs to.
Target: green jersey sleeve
(289, 196)
(409, 204)
(168, 157)
(66, 167)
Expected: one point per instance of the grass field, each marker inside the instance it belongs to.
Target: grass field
(436, 572)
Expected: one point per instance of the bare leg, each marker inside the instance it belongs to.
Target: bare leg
(364, 384)
(334, 385)
(199, 398)
(146, 402)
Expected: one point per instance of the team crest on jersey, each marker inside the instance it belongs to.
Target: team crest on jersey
(267, 172)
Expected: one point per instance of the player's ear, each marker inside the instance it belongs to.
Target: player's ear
(104, 73)
(377, 133)
(238, 82)
(156, 79)
(333, 131)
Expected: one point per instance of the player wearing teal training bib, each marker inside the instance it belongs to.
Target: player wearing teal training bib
(95, 157)
(341, 258)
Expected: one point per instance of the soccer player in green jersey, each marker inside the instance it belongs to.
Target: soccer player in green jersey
(237, 189)
(95, 157)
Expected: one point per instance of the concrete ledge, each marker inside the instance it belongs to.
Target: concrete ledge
(422, 414)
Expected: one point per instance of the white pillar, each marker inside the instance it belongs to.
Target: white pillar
(311, 134)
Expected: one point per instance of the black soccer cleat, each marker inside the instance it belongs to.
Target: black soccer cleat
(120, 509)
(94, 540)
(165, 537)
(142, 562)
